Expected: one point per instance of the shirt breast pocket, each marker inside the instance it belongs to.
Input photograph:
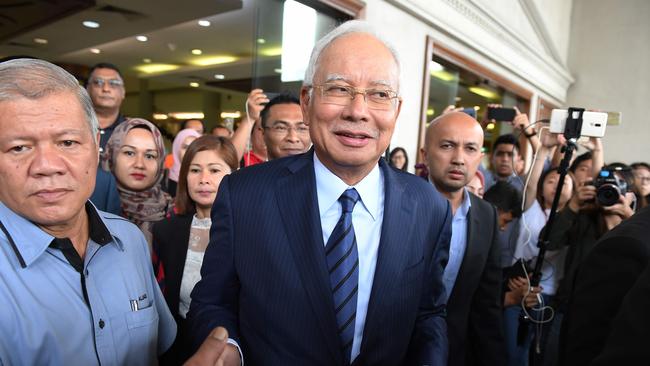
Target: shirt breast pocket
(142, 317)
(143, 329)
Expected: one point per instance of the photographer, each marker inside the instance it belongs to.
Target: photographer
(592, 211)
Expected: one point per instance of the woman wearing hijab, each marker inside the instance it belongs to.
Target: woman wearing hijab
(182, 140)
(135, 154)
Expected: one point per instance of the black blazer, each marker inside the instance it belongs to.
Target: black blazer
(475, 306)
(170, 241)
(265, 277)
(601, 282)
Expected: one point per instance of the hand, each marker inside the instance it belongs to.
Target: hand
(593, 144)
(622, 208)
(452, 108)
(521, 123)
(216, 350)
(256, 101)
(585, 194)
(550, 140)
(517, 283)
(532, 297)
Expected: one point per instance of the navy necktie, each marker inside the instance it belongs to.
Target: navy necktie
(343, 265)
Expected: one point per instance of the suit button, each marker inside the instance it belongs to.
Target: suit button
(101, 324)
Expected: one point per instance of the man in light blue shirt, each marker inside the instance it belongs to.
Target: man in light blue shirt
(76, 284)
(472, 277)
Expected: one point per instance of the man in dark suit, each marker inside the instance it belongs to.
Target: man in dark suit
(472, 278)
(600, 284)
(329, 257)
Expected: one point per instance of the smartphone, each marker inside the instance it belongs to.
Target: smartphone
(470, 111)
(501, 114)
(593, 123)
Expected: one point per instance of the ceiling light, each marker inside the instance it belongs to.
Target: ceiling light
(261, 40)
(236, 114)
(213, 60)
(279, 71)
(271, 51)
(187, 115)
(155, 68)
(194, 84)
(197, 51)
(219, 76)
(476, 108)
(443, 75)
(160, 116)
(430, 112)
(142, 38)
(204, 23)
(95, 51)
(146, 60)
(485, 93)
(490, 126)
(40, 40)
(90, 24)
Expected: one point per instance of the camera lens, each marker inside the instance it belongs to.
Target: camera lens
(607, 195)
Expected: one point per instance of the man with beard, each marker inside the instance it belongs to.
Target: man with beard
(472, 278)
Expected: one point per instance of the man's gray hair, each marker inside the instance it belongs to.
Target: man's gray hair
(352, 26)
(35, 79)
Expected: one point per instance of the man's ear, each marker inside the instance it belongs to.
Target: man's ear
(305, 99)
(423, 155)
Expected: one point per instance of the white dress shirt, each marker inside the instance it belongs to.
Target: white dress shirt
(367, 218)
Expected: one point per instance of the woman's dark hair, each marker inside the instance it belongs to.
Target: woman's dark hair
(406, 158)
(505, 197)
(226, 151)
(540, 186)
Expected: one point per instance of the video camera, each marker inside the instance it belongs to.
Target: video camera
(609, 187)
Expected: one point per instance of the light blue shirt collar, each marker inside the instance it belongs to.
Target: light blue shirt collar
(21, 229)
(463, 209)
(330, 187)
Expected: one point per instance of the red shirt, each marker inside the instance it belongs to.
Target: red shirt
(251, 159)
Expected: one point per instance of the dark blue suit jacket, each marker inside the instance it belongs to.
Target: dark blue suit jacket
(265, 278)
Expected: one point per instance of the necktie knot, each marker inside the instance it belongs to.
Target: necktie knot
(348, 199)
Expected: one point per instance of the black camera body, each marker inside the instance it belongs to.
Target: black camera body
(609, 187)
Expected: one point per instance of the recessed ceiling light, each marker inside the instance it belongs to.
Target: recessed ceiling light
(90, 24)
(142, 38)
(261, 40)
(40, 40)
(146, 60)
(95, 50)
(197, 51)
(279, 71)
(194, 84)
(213, 60)
(156, 68)
(219, 76)
(204, 23)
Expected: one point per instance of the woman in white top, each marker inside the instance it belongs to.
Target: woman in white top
(179, 242)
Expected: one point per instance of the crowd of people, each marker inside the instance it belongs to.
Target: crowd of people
(292, 241)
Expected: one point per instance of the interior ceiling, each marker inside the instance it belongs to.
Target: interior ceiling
(170, 25)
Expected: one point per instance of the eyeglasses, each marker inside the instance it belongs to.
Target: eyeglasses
(283, 130)
(644, 180)
(376, 98)
(113, 83)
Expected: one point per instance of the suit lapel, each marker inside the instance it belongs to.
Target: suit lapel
(298, 206)
(392, 256)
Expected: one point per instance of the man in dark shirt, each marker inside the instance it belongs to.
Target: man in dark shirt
(106, 89)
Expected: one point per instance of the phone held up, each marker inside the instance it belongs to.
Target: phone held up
(501, 114)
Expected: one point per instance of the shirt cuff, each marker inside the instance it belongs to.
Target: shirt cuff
(234, 343)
